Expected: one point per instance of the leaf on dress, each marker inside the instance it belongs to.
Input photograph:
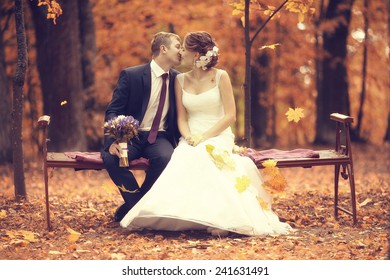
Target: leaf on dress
(294, 114)
(263, 204)
(221, 158)
(242, 183)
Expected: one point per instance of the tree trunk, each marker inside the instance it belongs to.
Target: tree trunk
(333, 94)
(59, 66)
(88, 56)
(387, 134)
(5, 107)
(260, 88)
(364, 73)
(247, 83)
(17, 108)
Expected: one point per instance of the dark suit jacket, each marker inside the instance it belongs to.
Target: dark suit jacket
(131, 96)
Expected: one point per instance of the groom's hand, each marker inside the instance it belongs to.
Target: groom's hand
(115, 149)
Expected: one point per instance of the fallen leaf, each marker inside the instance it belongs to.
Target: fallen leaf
(74, 235)
(365, 202)
(3, 214)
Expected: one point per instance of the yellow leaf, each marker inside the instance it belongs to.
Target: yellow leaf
(64, 103)
(242, 183)
(365, 202)
(3, 214)
(269, 163)
(273, 46)
(74, 235)
(123, 189)
(221, 158)
(263, 204)
(294, 114)
(29, 236)
(56, 253)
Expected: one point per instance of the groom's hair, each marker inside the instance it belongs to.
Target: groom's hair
(162, 38)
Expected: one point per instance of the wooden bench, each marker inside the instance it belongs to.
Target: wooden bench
(340, 157)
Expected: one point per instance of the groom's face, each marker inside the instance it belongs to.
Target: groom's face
(174, 52)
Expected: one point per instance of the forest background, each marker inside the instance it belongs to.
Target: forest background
(74, 65)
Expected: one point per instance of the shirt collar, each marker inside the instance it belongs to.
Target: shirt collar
(156, 69)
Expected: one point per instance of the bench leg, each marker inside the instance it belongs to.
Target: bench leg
(346, 173)
(336, 190)
(353, 193)
(46, 178)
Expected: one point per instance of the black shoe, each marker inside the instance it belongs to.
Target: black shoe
(121, 212)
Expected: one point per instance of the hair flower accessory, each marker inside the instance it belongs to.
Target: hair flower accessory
(204, 60)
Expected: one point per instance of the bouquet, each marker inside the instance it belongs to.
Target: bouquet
(122, 129)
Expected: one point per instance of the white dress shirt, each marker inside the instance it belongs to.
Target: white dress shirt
(155, 93)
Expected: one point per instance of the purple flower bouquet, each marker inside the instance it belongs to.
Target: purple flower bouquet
(122, 129)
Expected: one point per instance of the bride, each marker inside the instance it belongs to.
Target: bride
(206, 186)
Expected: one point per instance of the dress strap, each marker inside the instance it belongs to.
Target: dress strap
(180, 78)
(218, 75)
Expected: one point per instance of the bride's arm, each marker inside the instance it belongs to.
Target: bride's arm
(181, 111)
(226, 91)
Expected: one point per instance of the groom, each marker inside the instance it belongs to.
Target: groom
(137, 93)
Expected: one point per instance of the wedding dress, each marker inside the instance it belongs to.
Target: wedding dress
(207, 186)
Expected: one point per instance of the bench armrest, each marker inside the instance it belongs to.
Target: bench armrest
(44, 121)
(341, 118)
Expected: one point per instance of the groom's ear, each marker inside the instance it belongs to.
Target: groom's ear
(163, 49)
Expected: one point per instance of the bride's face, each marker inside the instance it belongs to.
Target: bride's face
(188, 57)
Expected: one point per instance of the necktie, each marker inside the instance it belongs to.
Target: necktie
(157, 119)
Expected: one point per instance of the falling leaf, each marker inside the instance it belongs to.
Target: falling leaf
(273, 46)
(64, 103)
(74, 235)
(294, 114)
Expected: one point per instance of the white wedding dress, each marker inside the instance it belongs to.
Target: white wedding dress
(200, 189)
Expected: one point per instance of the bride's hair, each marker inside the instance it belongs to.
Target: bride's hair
(201, 42)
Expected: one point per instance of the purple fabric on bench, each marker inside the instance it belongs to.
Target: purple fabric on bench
(94, 157)
(258, 156)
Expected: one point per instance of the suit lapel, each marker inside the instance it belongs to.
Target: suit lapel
(147, 84)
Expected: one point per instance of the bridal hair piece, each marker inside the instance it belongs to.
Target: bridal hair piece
(204, 60)
(203, 43)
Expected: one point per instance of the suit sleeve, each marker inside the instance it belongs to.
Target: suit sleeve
(118, 103)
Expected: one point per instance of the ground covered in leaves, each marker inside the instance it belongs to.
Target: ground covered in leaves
(83, 203)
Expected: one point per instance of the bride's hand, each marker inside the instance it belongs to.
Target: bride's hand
(194, 139)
